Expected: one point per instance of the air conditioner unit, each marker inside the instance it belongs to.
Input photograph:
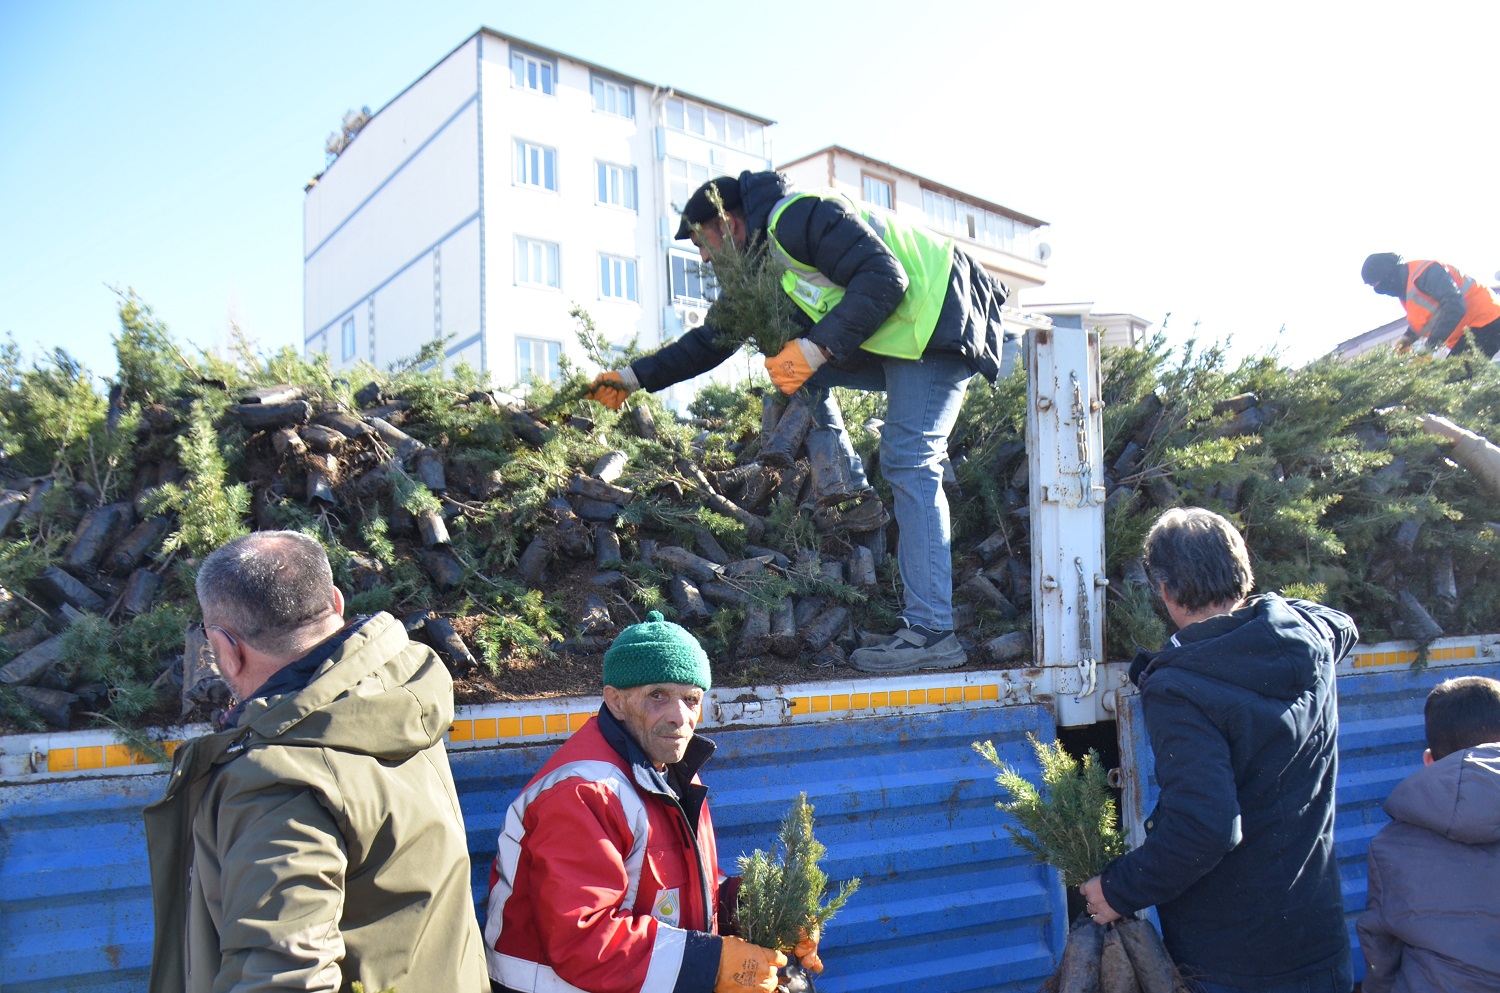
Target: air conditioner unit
(693, 317)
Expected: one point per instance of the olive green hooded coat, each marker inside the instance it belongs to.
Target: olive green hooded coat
(320, 841)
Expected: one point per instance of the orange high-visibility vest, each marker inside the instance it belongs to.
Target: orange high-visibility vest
(1480, 305)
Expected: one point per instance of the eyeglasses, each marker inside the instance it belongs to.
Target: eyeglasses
(233, 642)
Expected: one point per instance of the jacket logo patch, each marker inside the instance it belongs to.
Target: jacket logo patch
(812, 295)
(668, 907)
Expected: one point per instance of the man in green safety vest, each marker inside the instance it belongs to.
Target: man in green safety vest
(885, 305)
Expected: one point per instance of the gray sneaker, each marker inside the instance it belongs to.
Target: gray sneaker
(911, 647)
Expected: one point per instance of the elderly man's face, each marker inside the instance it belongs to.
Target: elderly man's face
(660, 717)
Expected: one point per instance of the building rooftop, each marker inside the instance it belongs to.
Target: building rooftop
(929, 183)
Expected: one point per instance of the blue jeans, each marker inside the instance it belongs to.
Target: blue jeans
(922, 403)
(1334, 980)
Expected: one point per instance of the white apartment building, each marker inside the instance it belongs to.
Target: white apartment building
(1006, 242)
(507, 185)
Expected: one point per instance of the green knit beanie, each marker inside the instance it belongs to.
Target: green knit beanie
(656, 651)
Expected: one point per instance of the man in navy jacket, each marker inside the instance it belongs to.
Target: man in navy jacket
(1240, 706)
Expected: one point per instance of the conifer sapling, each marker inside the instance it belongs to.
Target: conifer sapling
(1069, 821)
(782, 891)
(751, 308)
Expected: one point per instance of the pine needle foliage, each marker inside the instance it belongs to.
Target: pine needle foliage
(751, 309)
(522, 625)
(782, 892)
(1069, 821)
(210, 509)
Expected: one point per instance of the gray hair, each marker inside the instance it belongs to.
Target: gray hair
(1199, 557)
(267, 586)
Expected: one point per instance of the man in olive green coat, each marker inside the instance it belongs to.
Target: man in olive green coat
(317, 840)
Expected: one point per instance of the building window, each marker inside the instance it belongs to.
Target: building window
(682, 179)
(691, 283)
(536, 263)
(965, 220)
(616, 278)
(532, 72)
(715, 125)
(615, 184)
(878, 192)
(611, 97)
(346, 336)
(538, 358)
(536, 165)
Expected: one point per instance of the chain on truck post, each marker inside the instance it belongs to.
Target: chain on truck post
(1087, 666)
(1085, 464)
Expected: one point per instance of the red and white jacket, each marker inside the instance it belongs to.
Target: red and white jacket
(606, 876)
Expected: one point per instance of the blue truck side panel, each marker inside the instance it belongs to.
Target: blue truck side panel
(1381, 738)
(947, 902)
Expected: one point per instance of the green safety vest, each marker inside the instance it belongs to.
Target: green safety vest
(926, 257)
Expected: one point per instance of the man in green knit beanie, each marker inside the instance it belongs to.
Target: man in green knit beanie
(606, 875)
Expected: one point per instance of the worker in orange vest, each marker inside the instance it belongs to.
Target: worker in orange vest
(1441, 303)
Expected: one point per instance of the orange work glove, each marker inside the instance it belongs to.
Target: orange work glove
(611, 388)
(794, 364)
(747, 968)
(806, 952)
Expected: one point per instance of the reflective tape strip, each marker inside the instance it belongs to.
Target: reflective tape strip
(513, 832)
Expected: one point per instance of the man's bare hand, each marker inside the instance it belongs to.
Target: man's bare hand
(1098, 908)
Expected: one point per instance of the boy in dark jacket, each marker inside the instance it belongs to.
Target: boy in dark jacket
(900, 310)
(1238, 859)
(1433, 915)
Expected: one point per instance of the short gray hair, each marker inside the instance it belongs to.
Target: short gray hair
(266, 587)
(1199, 557)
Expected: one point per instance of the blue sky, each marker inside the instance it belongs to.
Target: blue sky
(1233, 168)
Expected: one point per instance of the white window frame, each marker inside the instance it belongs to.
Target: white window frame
(551, 354)
(538, 263)
(619, 278)
(348, 341)
(691, 176)
(869, 179)
(529, 158)
(692, 268)
(615, 185)
(533, 68)
(602, 88)
(721, 127)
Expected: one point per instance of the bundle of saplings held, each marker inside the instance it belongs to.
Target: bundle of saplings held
(1069, 822)
(782, 894)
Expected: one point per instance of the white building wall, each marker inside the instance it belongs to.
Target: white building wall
(397, 131)
(405, 186)
(403, 313)
(457, 295)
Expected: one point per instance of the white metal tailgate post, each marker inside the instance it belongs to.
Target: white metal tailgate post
(1064, 441)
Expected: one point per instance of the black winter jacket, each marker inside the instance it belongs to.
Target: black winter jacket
(1238, 857)
(831, 236)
